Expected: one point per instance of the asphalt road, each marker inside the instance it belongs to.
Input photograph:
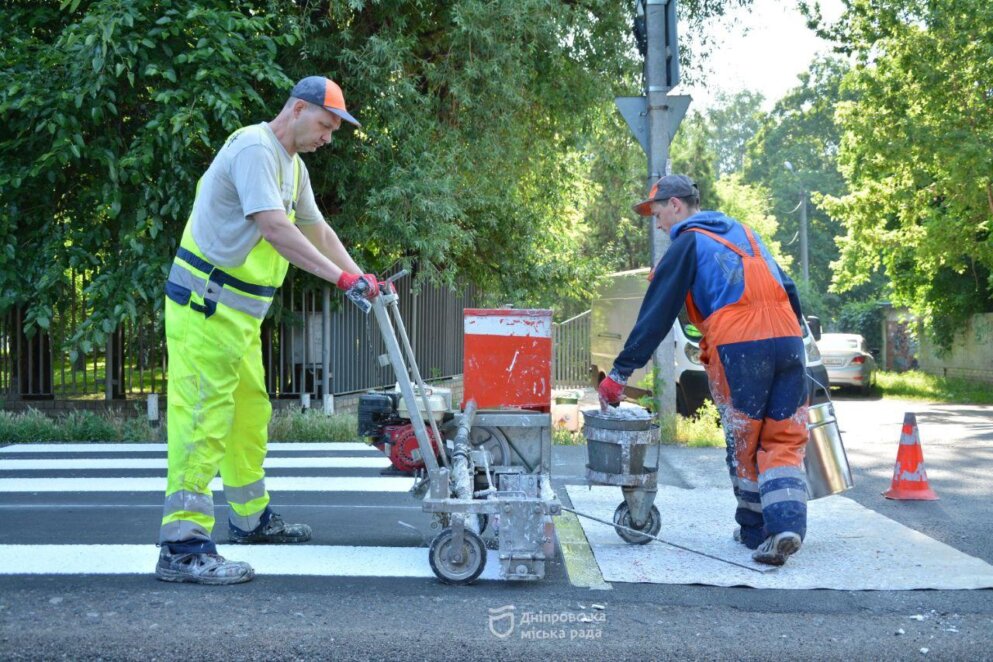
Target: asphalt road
(87, 616)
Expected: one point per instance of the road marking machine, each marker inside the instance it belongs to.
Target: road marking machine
(487, 462)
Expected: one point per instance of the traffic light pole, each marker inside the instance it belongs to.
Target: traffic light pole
(653, 120)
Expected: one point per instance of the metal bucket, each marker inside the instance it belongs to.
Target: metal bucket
(825, 462)
(617, 447)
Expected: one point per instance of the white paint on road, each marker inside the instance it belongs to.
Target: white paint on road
(309, 560)
(98, 447)
(66, 464)
(848, 547)
(158, 484)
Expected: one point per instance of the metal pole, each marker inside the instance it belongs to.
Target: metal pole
(328, 403)
(804, 257)
(108, 381)
(664, 357)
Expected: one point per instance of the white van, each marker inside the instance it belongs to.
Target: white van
(614, 312)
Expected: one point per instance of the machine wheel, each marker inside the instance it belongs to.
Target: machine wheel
(464, 571)
(493, 440)
(622, 516)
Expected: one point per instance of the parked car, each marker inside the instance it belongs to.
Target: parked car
(615, 309)
(848, 360)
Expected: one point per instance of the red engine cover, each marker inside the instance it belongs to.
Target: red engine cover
(405, 453)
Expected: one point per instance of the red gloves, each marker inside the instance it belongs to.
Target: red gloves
(366, 284)
(610, 391)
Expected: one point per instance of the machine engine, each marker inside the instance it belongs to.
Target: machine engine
(380, 420)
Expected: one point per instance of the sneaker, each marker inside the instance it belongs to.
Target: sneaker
(736, 535)
(777, 548)
(273, 531)
(201, 568)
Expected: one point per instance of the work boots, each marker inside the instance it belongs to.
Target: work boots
(272, 529)
(777, 548)
(200, 568)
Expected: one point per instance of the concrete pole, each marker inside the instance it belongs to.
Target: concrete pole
(658, 158)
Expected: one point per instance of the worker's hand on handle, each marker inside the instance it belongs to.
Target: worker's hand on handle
(611, 390)
(365, 285)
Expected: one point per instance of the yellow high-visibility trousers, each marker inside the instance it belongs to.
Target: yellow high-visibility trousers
(218, 415)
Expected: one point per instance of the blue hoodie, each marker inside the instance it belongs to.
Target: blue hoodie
(698, 264)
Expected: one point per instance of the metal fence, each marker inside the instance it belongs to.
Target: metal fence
(294, 351)
(571, 340)
(298, 355)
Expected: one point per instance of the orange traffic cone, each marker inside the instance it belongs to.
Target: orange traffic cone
(909, 476)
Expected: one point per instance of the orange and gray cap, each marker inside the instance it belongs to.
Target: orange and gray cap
(325, 93)
(670, 186)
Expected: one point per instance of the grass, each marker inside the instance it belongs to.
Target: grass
(916, 385)
(96, 373)
(563, 437)
(703, 429)
(33, 426)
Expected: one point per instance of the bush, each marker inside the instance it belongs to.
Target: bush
(31, 425)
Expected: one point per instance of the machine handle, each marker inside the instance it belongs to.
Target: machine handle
(357, 296)
(397, 276)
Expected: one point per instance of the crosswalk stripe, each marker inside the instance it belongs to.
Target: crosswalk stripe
(379, 462)
(161, 448)
(309, 560)
(158, 484)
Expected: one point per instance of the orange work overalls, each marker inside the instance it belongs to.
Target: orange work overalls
(753, 353)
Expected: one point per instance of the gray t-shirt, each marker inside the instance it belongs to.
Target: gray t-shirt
(252, 173)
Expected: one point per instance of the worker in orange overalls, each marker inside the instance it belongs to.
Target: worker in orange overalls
(752, 348)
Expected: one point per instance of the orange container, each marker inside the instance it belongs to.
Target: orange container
(508, 358)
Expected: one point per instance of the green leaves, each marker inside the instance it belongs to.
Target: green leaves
(96, 185)
(915, 153)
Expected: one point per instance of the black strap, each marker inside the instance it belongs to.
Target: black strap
(221, 277)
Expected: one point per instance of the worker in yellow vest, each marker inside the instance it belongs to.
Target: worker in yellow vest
(254, 213)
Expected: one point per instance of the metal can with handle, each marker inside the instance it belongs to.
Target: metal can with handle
(825, 462)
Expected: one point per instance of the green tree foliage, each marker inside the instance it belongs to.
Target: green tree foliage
(692, 153)
(476, 117)
(915, 154)
(735, 119)
(864, 318)
(477, 158)
(619, 238)
(751, 205)
(801, 130)
(111, 112)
